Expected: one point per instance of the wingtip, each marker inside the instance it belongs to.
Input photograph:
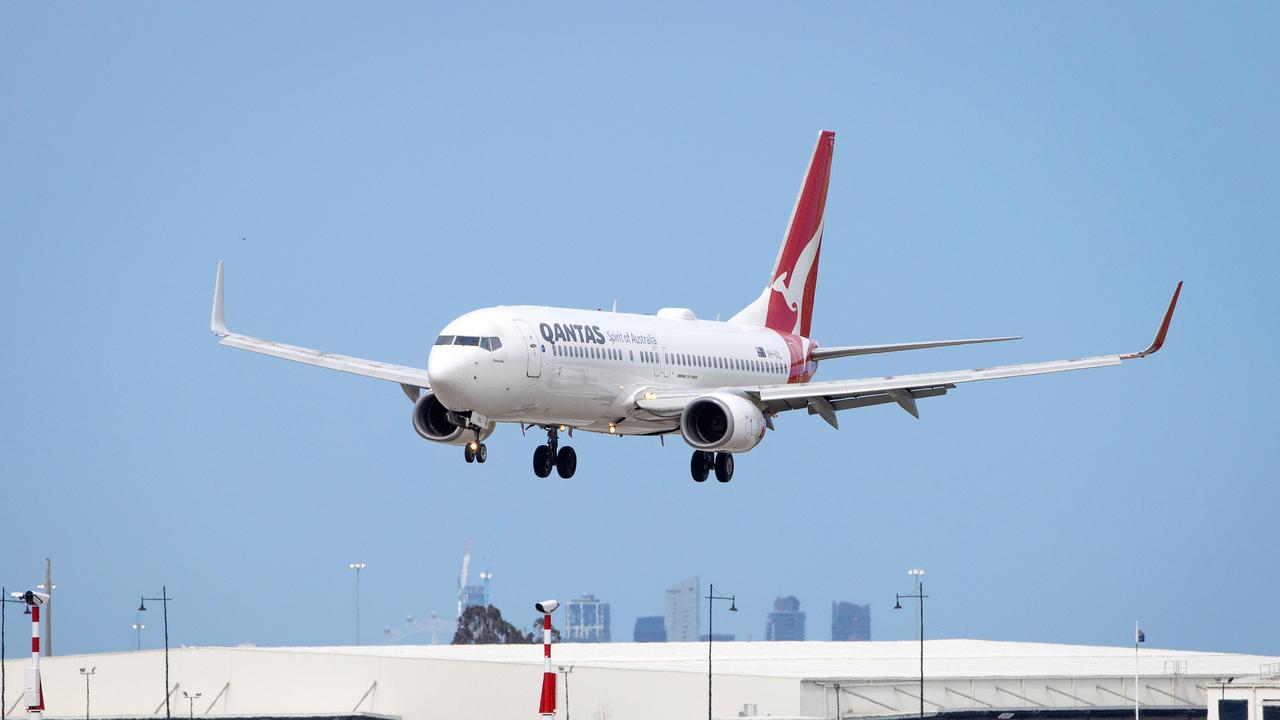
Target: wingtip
(217, 322)
(1164, 328)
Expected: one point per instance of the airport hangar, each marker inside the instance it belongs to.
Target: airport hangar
(964, 679)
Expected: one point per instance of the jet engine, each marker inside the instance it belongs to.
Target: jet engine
(437, 423)
(722, 422)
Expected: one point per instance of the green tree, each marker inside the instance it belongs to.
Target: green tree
(485, 626)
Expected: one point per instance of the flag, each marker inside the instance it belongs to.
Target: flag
(1142, 637)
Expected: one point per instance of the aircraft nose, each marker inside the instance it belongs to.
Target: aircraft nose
(449, 375)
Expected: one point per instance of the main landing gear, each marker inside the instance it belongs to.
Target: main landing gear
(703, 462)
(546, 457)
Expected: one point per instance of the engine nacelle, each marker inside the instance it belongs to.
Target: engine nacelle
(722, 422)
(435, 422)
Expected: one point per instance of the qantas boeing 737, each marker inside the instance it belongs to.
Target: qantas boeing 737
(718, 384)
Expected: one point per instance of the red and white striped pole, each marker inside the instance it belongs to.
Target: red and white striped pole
(33, 690)
(547, 705)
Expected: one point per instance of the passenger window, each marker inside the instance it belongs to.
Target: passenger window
(444, 340)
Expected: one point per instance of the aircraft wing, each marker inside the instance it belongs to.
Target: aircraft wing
(410, 378)
(826, 398)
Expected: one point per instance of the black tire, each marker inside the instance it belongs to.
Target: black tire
(566, 462)
(724, 467)
(542, 461)
(468, 453)
(482, 453)
(699, 467)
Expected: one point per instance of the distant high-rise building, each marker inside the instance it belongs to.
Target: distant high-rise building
(786, 622)
(682, 611)
(719, 637)
(650, 629)
(850, 622)
(586, 620)
(475, 596)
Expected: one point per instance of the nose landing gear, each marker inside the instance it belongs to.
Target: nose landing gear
(703, 462)
(551, 455)
(475, 452)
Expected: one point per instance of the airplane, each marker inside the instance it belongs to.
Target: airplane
(719, 385)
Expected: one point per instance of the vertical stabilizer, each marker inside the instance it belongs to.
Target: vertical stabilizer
(786, 305)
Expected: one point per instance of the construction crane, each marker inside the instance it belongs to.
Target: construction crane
(462, 579)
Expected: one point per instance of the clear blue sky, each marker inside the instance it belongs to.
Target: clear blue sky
(369, 173)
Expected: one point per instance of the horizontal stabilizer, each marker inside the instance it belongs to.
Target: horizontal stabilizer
(822, 353)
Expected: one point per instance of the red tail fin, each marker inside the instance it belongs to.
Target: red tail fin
(787, 302)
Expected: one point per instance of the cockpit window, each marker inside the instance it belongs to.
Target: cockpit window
(487, 343)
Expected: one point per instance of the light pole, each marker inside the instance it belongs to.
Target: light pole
(357, 566)
(733, 607)
(918, 574)
(191, 703)
(138, 628)
(48, 587)
(87, 674)
(164, 604)
(566, 671)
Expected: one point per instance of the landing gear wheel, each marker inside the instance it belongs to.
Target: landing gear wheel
(482, 453)
(542, 461)
(700, 465)
(566, 462)
(724, 467)
(468, 453)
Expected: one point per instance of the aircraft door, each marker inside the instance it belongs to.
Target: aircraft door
(534, 352)
(661, 369)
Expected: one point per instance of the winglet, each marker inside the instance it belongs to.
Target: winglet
(217, 323)
(1164, 329)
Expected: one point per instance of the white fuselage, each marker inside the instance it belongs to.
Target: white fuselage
(584, 369)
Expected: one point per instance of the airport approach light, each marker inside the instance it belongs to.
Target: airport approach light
(32, 689)
(547, 705)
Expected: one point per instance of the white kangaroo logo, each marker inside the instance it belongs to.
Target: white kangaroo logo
(793, 292)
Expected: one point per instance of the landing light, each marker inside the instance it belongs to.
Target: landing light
(474, 445)
(562, 428)
(612, 428)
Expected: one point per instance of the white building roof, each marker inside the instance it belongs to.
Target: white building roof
(621, 681)
(873, 660)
